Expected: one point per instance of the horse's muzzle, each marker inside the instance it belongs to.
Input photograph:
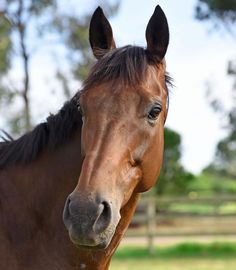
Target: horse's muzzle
(90, 222)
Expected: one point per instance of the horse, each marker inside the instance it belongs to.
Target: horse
(69, 187)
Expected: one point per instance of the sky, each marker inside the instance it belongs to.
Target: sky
(196, 57)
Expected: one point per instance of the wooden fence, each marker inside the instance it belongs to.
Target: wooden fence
(157, 217)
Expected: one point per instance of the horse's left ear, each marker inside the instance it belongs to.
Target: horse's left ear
(100, 34)
(157, 35)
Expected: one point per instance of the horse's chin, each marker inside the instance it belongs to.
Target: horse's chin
(92, 241)
(100, 246)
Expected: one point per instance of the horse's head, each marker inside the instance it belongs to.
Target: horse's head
(124, 107)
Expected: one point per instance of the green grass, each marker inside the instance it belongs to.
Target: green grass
(184, 250)
(186, 256)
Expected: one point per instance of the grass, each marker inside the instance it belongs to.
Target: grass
(174, 264)
(190, 250)
(186, 256)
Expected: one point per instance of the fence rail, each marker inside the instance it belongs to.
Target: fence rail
(205, 216)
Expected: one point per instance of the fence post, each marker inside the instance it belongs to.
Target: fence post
(151, 224)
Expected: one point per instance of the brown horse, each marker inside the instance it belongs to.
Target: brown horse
(106, 144)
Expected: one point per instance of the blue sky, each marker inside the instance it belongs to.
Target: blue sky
(196, 56)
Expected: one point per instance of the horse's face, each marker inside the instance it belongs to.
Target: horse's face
(122, 136)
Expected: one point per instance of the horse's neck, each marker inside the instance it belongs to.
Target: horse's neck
(100, 260)
(47, 181)
(32, 198)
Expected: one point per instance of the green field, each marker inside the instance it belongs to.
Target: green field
(189, 256)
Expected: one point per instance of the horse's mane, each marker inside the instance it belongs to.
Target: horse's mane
(127, 64)
(55, 131)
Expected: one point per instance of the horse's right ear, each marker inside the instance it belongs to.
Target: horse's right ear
(157, 35)
(100, 34)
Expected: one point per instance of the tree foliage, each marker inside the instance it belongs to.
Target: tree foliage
(5, 45)
(219, 12)
(174, 179)
(76, 39)
(223, 13)
(225, 159)
(17, 16)
(27, 22)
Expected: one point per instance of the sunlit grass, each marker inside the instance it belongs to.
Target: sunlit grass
(190, 250)
(174, 264)
(186, 256)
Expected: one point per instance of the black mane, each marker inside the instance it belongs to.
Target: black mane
(50, 134)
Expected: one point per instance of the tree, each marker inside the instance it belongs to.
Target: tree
(5, 50)
(220, 13)
(225, 159)
(18, 15)
(174, 179)
(76, 40)
(223, 13)
(5, 44)
(22, 21)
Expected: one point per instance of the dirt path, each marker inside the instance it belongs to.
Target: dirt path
(170, 240)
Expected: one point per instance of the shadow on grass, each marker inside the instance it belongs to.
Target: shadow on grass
(184, 250)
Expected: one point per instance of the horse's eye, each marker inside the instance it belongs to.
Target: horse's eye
(154, 112)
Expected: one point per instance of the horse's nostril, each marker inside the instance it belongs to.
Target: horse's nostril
(69, 204)
(74, 207)
(86, 216)
(66, 212)
(104, 217)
